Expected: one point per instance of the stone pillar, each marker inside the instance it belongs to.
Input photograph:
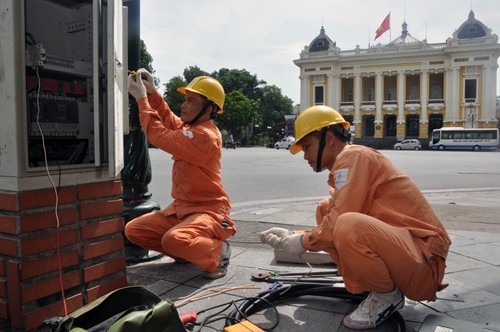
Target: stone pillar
(379, 122)
(424, 100)
(305, 100)
(329, 91)
(401, 121)
(357, 99)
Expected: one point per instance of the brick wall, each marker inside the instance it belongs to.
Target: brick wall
(87, 246)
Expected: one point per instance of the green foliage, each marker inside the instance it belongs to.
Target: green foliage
(192, 72)
(253, 111)
(238, 110)
(147, 62)
(172, 96)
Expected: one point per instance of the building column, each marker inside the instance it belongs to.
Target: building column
(452, 105)
(336, 91)
(424, 95)
(401, 130)
(488, 107)
(424, 100)
(304, 92)
(379, 128)
(329, 92)
(357, 98)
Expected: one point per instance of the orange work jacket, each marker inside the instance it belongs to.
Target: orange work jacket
(196, 151)
(367, 182)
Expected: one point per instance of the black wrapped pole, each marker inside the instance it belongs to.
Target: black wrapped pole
(136, 173)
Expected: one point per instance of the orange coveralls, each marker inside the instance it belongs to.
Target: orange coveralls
(379, 229)
(193, 226)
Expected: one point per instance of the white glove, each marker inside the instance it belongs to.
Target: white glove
(293, 244)
(148, 80)
(136, 87)
(273, 236)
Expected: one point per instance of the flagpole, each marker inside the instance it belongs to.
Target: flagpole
(390, 30)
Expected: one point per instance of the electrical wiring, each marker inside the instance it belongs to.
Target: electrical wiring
(262, 300)
(211, 292)
(56, 205)
(219, 315)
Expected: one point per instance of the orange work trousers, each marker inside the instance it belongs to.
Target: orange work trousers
(196, 238)
(374, 256)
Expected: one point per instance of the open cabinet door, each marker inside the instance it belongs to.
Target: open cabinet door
(117, 90)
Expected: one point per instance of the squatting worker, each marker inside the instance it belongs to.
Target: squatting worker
(196, 224)
(377, 226)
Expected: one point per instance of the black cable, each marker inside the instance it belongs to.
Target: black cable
(262, 300)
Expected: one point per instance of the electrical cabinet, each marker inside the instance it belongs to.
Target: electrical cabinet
(75, 83)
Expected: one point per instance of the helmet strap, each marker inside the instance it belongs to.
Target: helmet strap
(321, 147)
(197, 117)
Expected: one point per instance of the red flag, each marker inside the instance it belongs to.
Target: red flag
(386, 25)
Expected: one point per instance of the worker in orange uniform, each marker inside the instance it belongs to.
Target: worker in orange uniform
(377, 226)
(195, 226)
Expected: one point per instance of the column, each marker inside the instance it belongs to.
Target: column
(378, 97)
(357, 98)
(336, 91)
(424, 95)
(424, 100)
(400, 131)
(379, 128)
(488, 107)
(329, 91)
(305, 102)
(454, 109)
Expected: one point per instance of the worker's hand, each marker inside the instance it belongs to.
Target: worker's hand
(148, 80)
(273, 236)
(136, 87)
(293, 244)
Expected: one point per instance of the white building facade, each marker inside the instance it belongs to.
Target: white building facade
(408, 87)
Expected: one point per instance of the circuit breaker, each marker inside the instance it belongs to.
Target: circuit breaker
(75, 75)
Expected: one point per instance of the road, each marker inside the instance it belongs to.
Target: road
(259, 174)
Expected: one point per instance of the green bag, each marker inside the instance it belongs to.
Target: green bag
(128, 309)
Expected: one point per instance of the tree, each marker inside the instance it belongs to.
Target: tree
(273, 108)
(251, 107)
(173, 98)
(238, 112)
(147, 62)
(192, 72)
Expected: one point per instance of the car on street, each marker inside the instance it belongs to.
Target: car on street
(285, 143)
(408, 144)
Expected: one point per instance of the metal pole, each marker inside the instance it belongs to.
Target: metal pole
(136, 173)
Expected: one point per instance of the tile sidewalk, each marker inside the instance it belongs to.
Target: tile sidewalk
(473, 271)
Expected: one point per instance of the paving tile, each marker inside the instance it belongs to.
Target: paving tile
(487, 315)
(486, 278)
(458, 262)
(459, 239)
(460, 295)
(479, 237)
(484, 252)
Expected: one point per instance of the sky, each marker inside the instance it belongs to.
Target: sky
(265, 36)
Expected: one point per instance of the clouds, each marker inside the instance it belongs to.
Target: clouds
(264, 37)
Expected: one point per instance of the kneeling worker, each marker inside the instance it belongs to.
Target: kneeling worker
(195, 226)
(377, 226)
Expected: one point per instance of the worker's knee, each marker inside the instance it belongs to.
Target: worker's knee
(347, 228)
(175, 242)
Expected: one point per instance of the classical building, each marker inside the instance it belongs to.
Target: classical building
(408, 87)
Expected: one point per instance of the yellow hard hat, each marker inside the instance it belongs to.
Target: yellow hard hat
(208, 87)
(315, 118)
